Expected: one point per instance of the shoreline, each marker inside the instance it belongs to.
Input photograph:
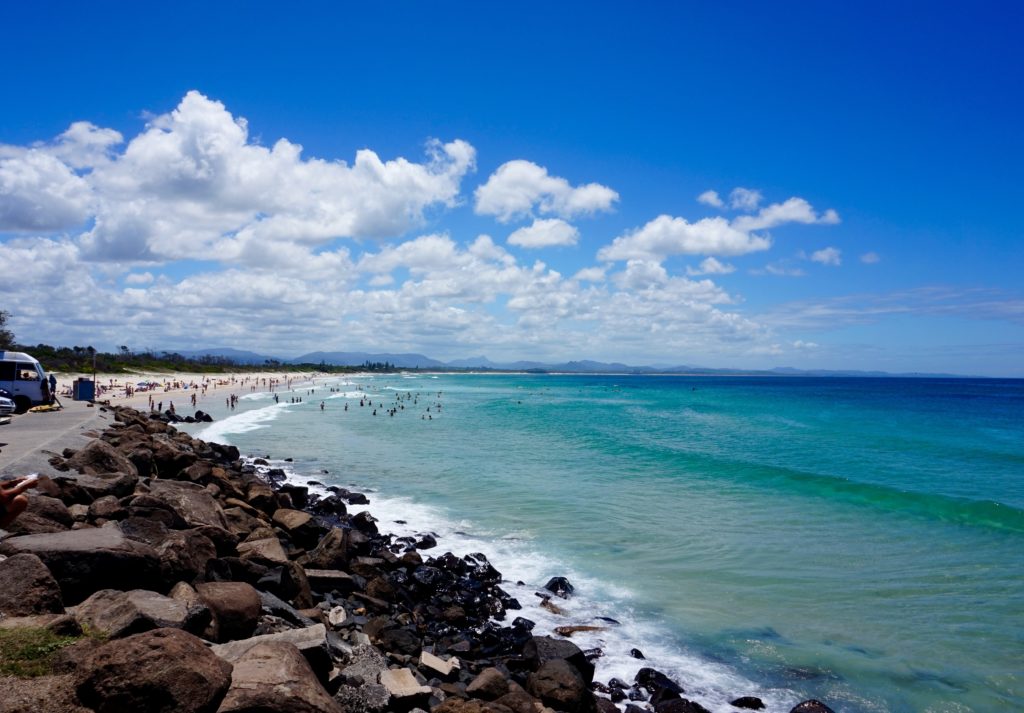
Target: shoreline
(374, 565)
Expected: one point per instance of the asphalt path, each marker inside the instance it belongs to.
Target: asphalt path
(31, 439)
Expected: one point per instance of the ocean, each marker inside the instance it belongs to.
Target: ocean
(859, 541)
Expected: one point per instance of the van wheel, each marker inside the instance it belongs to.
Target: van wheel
(22, 404)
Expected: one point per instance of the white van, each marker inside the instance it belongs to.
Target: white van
(23, 376)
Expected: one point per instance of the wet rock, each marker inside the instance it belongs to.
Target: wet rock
(85, 561)
(365, 523)
(273, 676)
(749, 702)
(568, 631)
(27, 587)
(811, 706)
(235, 607)
(653, 681)
(426, 542)
(400, 641)
(637, 654)
(161, 671)
(560, 587)
(680, 705)
(560, 686)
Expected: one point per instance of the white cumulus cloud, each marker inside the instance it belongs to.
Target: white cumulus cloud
(545, 233)
(745, 199)
(870, 258)
(827, 256)
(711, 266)
(194, 185)
(665, 236)
(711, 198)
(519, 187)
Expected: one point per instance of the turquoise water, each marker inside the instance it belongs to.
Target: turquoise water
(856, 540)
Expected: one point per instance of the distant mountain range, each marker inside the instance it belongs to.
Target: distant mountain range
(586, 366)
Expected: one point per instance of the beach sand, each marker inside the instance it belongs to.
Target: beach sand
(179, 387)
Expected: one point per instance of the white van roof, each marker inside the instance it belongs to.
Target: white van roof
(18, 356)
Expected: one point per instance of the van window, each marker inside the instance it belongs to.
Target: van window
(27, 375)
(7, 370)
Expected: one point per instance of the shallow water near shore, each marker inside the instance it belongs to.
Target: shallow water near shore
(860, 541)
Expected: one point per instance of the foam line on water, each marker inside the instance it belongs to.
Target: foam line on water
(244, 422)
(520, 558)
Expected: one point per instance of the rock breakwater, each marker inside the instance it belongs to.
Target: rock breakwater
(208, 582)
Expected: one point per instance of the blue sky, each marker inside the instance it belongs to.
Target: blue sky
(153, 192)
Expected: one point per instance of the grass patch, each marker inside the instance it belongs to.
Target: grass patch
(28, 652)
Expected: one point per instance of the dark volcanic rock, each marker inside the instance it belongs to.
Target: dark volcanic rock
(161, 671)
(541, 649)
(27, 587)
(749, 702)
(654, 681)
(559, 586)
(811, 706)
(680, 705)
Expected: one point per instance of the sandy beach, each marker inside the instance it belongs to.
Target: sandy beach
(146, 390)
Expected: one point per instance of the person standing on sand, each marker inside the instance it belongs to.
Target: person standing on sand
(12, 499)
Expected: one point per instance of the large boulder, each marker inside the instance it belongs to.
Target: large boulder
(490, 684)
(331, 552)
(310, 641)
(541, 649)
(27, 587)
(161, 671)
(184, 555)
(117, 614)
(273, 676)
(100, 457)
(561, 686)
(191, 502)
(235, 606)
(52, 509)
(301, 527)
(85, 561)
(266, 551)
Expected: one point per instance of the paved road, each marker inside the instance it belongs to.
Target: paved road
(29, 440)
